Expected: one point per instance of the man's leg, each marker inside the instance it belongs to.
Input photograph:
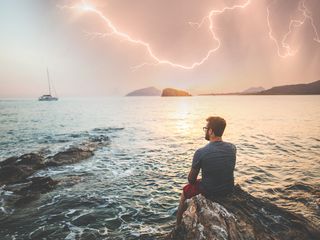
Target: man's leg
(181, 208)
(189, 191)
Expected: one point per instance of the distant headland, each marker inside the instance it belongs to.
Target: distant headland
(296, 89)
(312, 88)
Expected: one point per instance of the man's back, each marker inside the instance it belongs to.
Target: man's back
(217, 162)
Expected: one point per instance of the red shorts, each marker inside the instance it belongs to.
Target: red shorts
(191, 190)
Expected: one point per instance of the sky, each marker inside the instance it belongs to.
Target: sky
(100, 48)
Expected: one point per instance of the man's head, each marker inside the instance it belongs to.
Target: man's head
(215, 127)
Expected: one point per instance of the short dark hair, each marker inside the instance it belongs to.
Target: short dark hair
(217, 124)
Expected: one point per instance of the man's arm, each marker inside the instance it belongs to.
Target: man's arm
(193, 174)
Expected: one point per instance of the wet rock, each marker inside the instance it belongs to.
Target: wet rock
(16, 169)
(11, 174)
(241, 216)
(8, 161)
(95, 142)
(15, 172)
(31, 159)
(30, 190)
(70, 156)
(39, 184)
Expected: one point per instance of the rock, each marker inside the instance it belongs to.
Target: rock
(11, 174)
(39, 184)
(8, 161)
(171, 92)
(95, 142)
(16, 169)
(30, 159)
(15, 172)
(241, 216)
(30, 190)
(70, 156)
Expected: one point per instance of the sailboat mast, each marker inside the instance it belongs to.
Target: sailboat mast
(49, 81)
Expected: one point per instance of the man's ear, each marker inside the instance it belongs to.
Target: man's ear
(210, 131)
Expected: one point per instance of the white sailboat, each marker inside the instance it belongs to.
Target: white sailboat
(48, 97)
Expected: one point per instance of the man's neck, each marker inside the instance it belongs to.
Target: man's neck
(215, 139)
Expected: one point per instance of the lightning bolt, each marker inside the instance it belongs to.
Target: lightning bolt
(114, 31)
(282, 45)
(294, 24)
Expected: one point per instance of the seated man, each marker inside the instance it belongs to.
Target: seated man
(216, 160)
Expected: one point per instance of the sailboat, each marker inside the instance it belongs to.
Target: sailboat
(48, 97)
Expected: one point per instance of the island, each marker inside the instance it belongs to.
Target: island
(172, 92)
(149, 91)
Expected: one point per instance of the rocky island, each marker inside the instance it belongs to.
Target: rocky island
(149, 91)
(172, 92)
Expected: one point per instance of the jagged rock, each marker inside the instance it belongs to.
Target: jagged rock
(16, 169)
(241, 216)
(31, 159)
(30, 190)
(15, 172)
(171, 92)
(39, 184)
(11, 174)
(70, 156)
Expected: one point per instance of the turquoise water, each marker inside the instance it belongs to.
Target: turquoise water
(130, 188)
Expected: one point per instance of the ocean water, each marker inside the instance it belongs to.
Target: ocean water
(130, 188)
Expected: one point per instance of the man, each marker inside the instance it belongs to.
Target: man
(216, 160)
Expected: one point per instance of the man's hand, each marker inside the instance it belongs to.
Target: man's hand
(193, 174)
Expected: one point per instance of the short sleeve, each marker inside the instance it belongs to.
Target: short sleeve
(235, 149)
(196, 161)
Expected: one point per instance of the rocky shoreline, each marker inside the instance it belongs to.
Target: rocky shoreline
(238, 216)
(241, 216)
(16, 173)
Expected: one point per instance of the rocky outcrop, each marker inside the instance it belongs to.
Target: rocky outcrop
(171, 92)
(16, 172)
(29, 189)
(241, 216)
(16, 169)
(69, 156)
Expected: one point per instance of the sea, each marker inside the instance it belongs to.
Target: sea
(130, 188)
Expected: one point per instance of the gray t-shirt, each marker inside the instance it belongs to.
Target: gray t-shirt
(216, 161)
